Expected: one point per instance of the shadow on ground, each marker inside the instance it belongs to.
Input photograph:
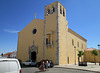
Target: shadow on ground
(28, 66)
(39, 71)
(77, 69)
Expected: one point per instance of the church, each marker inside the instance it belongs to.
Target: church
(50, 38)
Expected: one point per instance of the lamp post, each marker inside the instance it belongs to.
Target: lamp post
(99, 52)
(75, 54)
(84, 57)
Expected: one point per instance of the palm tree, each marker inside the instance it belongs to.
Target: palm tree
(80, 53)
(95, 53)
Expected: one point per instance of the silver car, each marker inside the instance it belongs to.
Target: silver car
(29, 63)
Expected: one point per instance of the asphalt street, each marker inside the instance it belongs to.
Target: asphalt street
(53, 70)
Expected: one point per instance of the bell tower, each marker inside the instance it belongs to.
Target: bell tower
(55, 33)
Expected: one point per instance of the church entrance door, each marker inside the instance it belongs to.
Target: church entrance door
(33, 56)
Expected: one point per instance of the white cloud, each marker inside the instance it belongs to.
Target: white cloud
(11, 31)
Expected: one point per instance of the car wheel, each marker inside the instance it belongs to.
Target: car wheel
(30, 65)
(51, 66)
(23, 65)
(37, 65)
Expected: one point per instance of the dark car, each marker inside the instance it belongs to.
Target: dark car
(20, 61)
(50, 65)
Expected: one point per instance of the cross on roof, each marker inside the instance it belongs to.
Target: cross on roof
(35, 15)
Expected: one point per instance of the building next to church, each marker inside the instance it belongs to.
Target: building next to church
(50, 38)
(10, 54)
(89, 57)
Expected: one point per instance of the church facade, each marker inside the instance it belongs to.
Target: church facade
(50, 38)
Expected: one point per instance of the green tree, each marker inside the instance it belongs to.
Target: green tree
(80, 54)
(2, 54)
(95, 53)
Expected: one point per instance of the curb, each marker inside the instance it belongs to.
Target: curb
(78, 69)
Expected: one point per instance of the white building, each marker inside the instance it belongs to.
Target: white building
(10, 54)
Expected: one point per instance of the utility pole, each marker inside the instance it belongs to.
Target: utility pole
(75, 54)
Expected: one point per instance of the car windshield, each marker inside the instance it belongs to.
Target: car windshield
(28, 61)
(50, 61)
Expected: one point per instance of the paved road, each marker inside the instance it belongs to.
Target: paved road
(53, 70)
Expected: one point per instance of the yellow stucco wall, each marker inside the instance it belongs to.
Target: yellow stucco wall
(89, 57)
(51, 24)
(63, 39)
(71, 50)
(26, 37)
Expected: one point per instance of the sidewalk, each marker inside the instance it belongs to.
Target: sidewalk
(89, 67)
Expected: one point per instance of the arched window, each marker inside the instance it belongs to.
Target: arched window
(48, 11)
(53, 8)
(72, 42)
(63, 12)
(60, 10)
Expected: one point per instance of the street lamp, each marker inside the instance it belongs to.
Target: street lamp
(75, 54)
(84, 56)
(99, 52)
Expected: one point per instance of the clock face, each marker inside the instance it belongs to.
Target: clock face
(34, 31)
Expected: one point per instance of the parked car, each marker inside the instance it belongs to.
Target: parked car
(82, 63)
(29, 63)
(8, 65)
(50, 65)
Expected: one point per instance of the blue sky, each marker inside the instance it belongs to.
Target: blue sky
(83, 17)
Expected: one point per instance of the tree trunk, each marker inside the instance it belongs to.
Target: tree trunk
(78, 59)
(95, 60)
(81, 59)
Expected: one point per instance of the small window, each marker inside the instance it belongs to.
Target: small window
(60, 10)
(82, 46)
(77, 44)
(48, 11)
(63, 12)
(72, 42)
(46, 41)
(34, 31)
(53, 9)
(49, 40)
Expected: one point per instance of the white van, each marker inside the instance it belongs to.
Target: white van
(8, 65)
